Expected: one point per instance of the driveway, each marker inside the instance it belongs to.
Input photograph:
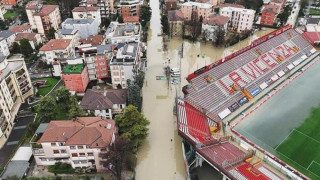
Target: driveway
(15, 136)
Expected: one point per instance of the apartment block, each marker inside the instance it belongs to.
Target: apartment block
(196, 8)
(75, 77)
(56, 48)
(125, 63)
(15, 88)
(43, 17)
(123, 32)
(87, 12)
(241, 19)
(81, 142)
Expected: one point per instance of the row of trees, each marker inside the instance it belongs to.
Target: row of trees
(134, 89)
(24, 48)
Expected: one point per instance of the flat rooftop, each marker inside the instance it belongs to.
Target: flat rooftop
(73, 68)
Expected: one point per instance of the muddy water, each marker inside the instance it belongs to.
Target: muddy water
(160, 158)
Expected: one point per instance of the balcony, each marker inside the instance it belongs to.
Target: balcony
(117, 110)
(37, 151)
(3, 123)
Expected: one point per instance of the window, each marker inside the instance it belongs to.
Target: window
(80, 147)
(63, 151)
(55, 151)
(82, 154)
(53, 144)
(90, 154)
(76, 162)
(72, 147)
(74, 154)
(83, 162)
(61, 143)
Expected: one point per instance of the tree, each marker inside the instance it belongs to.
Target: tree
(50, 34)
(119, 86)
(120, 19)
(304, 4)
(25, 48)
(283, 16)
(145, 15)
(47, 108)
(3, 25)
(194, 26)
(74, 108)
(139, 79)
(116, 157)
(205, 36)
(106, 22)
(132, 126)
(219, 36)
(165, 24)
(252, 4)
(63, 97)
(15, 48)
(22, 15)
(134, 95)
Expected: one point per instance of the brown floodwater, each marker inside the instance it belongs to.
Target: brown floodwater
(160, 158)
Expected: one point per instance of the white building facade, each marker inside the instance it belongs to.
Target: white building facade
(87, 12)
(241, 19)
(85, 27)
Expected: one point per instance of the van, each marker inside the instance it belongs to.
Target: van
(172, 70)
(175, 74)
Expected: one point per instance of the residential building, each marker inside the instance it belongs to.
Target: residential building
(125, 63)
(123, 32)
(87, 12)
(212, 2)
(2, 11)
(176, 20)
(85, 27)
(131, 19)
(81, 142)
(34, 38)
(21, 29)
(200, 9)
(269, 14)
(4, 50)
(130, 7)
(106, 6)
(280, 3)
(9, 36)
(97, 62)
(15, 88)
(69, 34)
(241, 19)
(94, 40)
(170, 5)
(104, 103)
(10, 3)
(43, 17)
(56, 48)
(212, 23)
(75, 77)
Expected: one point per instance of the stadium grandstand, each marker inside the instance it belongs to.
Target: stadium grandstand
(220, 89)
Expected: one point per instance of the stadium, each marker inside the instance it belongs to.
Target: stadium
(245, 114)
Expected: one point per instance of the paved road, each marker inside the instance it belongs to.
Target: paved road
(14, 138)
(32, 75)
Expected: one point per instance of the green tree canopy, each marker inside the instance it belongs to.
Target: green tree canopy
(25, 48)
(120, 19)
(165, 24)
(15, 48)
(47, 107)
(51, 33)
(2, 25)
(145, 14)
(132, 126)
(134, 94)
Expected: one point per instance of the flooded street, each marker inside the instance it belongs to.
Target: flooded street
(160, 157)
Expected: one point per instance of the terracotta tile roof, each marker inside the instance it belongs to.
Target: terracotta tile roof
(55, 44)
(94, 99)
(92, 131)
(175, 15)
(46, 10)
(271, 8)
(232, 5)
(131, 19)
(214, 19)
(31, 5)
(85, 9)
(20, 28)
(170, 1)
(29, 36)
(93, 39)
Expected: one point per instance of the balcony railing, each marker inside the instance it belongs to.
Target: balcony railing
(38, 151)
